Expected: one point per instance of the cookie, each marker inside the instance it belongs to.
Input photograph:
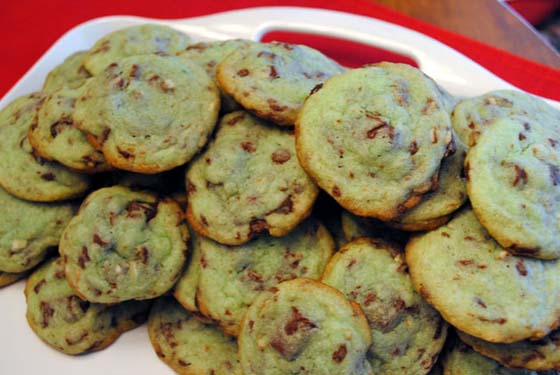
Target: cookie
(354, 227)
(248, 182)
(189, 346)
(123, 245)
(69, 324)
(29, 230)
(148, 114)
(132, 41)
(479, 287)
(208, 55)
(231, 278)
(472, 116)
(185, 289)
(273, 79)
(54, 137)
(304, 327)
(69, 74)
(7, 278)
(513, 178)
(462, 360)
(435, 208)
(533, 355)
(374, 138)
(408, 334)
(22, 172)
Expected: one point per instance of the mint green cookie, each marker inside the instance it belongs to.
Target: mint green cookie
(132, 41)
(273, 79)
(29, 230)
(208, 55)
(231, 278)
(55, 137)
(69, 324)
(479, 287)
(123, 245)
(248, 182)
(543, 354)
(408, 334)
(189, 346)
(304, 327)
(462, 360)
(148, 114)
(374, 138)
(513, 182)
(472, 116)
(69, 74)
(22, 172)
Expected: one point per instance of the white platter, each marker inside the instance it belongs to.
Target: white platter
(21, 352)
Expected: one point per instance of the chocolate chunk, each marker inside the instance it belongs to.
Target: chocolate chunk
(339, 355)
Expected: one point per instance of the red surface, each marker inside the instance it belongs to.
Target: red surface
(348, 53)
(28, 28)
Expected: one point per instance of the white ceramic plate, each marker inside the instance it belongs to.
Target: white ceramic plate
(21, 352)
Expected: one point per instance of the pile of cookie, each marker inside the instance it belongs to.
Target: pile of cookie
(269, 211)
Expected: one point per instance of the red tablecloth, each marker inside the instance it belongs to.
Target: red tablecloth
(29, 27)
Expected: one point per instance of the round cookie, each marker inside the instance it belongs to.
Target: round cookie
(462, 360)
(69, 324)
(69, 74)
(248, 182)
(374, 138)
(132, 41)
(54, 137)
(543, 354)
(513, 182)
(304, 327)
(472, 116)
(435, 207)
(408, 334)
(123, 245)
(273, 79)
(22, 172)
(7, 278)
(208, 55)
(29, 230)
(231, 279)
(479, 287)
(186, 286)
(148, 113)
(189, 346)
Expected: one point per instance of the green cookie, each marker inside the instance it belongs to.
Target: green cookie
(69, 324)
(123, 245)
(304, 327)
(148, 114)
(273, 79)
(132, 41)
(22, 172)
(408, 334)
(189, 346)
(479, 287)
(374, 138)
(28, 231)
(248, 182)
(513, 182)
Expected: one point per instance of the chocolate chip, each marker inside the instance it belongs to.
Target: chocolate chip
(339, 355)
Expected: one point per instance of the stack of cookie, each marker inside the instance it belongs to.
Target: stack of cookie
(221, 179)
